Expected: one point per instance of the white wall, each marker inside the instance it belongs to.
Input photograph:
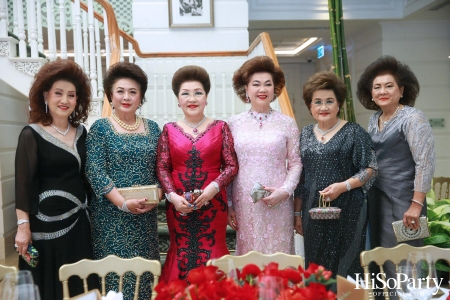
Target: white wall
(152, 31)
(13, 117)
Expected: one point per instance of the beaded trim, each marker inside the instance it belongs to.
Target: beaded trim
(53, 235)
(65, 215)
(50, 138)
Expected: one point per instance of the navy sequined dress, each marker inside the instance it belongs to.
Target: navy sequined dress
(335, 244)
(122, 160)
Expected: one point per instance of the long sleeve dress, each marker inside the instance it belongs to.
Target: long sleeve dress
(51, 187)
(268, 154)
(186, 163)
(406, 158)
(336, 244)
(122, 160)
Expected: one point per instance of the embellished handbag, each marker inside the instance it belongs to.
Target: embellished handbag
(31, 257)
(149, 192)
(403, 233)
(258, 192)
(324, 211)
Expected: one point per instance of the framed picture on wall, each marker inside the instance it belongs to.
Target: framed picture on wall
(191, 13)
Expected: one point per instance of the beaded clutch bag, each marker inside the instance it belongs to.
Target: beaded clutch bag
(32, 256)
(149, 192)
(403, 233)
(258, 192)
(324, 211)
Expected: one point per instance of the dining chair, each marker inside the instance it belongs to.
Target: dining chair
(111, 263)
(441, 186)
(396, 255)
(284, 260)
(5, 270)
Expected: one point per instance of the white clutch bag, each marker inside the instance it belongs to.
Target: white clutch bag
(403, 233)
(150, 192)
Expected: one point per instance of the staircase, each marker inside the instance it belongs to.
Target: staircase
(89, 35)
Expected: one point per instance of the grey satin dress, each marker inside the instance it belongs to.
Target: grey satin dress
(406, 163)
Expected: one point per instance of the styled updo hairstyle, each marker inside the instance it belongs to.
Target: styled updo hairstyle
(190, 73)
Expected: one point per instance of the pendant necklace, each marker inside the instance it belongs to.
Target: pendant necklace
(260, 117)
(385, 122)
(194, 126)
(125, 125)
(323, 133)
(61, 132)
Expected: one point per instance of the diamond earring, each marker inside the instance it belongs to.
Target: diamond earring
(46, 107)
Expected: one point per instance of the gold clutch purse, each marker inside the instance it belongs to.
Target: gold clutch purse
(325, 211)
(403, 233)
(149, 192)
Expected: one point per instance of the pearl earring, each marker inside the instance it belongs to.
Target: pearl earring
(372, 99)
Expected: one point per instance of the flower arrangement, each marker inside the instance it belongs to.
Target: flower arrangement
(209, 283)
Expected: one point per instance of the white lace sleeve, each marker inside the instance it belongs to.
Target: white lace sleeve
(294, 165)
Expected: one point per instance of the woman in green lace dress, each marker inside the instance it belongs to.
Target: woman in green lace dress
(121, 152)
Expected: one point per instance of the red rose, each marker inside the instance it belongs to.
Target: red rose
(291, 274)
(172, 290)
(271, 269)
(249, 270)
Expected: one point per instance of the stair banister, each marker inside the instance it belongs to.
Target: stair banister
(40, 36)
(3, 19)
(62, 30)
(21, 35)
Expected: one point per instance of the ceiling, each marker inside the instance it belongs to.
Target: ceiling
(290, 31)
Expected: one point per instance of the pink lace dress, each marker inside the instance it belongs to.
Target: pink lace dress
(268, 154)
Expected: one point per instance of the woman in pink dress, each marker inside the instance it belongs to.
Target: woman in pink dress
(267, 147)
(194, 153)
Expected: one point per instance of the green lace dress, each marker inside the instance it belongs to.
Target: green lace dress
(122, 160)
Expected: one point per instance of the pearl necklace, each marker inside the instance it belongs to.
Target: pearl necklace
(125, 125)
(385, 122)
(260, 117)
(194, 126)
(323, 133)
(63, 133)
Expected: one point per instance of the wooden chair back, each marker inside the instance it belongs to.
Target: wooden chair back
(5, 270)
(284, 260)
(111, 263)
(441, 186)
(396, 255)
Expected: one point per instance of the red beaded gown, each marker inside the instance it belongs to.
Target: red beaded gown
(185, 163)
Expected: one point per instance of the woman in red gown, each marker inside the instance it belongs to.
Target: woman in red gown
(195, 153)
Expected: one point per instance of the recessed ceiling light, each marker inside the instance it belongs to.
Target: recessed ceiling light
(298, 49)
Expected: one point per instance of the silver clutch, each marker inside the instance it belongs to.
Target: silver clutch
(258, 192)
(150, 192)
(403, 233)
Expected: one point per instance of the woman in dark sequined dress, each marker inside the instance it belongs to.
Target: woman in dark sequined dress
(121, 152)
(195, 153)
(339, 163)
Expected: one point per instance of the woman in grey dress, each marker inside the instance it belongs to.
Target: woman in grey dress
(404, 145)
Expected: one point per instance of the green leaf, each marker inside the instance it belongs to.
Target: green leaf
(443, 245)
(442, 202)
(439, 227)
(432, 216)
(437, 239)
(431, 194)
(442, 267)
(430, 201)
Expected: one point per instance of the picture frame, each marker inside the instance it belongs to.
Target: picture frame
(191, 13)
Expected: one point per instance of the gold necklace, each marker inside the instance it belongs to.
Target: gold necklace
(125, 125)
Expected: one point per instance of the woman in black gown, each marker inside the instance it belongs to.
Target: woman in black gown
(339, 163)
(51, 189)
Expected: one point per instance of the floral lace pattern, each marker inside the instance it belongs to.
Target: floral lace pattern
(269, 155)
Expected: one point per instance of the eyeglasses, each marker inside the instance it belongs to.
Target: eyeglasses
(197, 95)
(327, 103)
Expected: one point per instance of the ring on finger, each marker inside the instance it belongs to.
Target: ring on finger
(327, 199)
(413, 222)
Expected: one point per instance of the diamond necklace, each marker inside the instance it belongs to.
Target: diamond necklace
(125, 125)
(385, 122)
(63, 133)
(194, 126)
(260, 117)
(323, 133)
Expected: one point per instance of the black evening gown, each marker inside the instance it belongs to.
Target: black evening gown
(51, 187)
(335, 244)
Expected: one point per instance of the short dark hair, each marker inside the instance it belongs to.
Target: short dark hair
(325, 80)
(257, 64)
(402, 74)
(65, 70)
(126, 70)
(190, 73)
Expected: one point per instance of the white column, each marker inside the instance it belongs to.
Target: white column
(92, 60)
(166, 116)
(224, 95)
(85, 44)
(130, 53)
(15, 21)
(78, 46)
(3, 19)
(233, 100)
(51, 31)
(32, 30)
(40, 37)
(107, 44)
(22, 36)
(121, 50)
(155, 97)
(62, 30)
(212, 95)
(99, 59)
